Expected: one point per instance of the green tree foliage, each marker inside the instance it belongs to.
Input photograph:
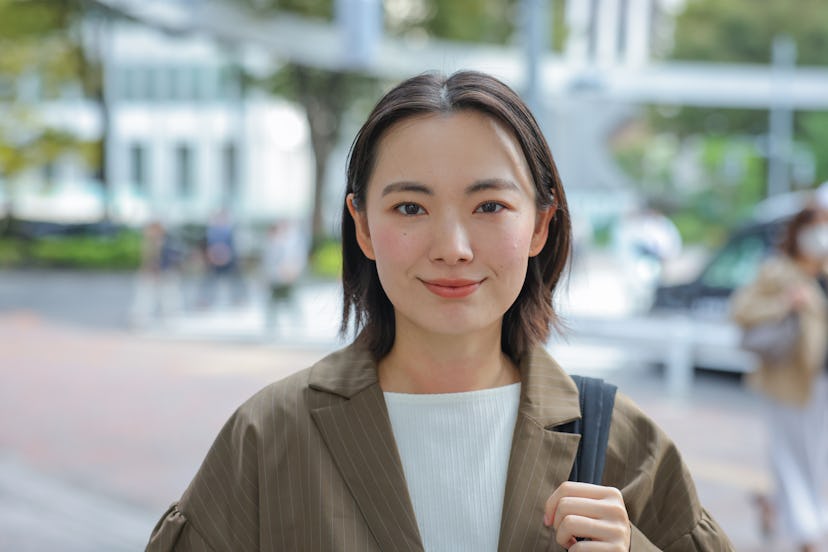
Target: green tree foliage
(42, 59)
(325, 96)
(742, 31)
(490, 21)
(727, 144)
(38, 61)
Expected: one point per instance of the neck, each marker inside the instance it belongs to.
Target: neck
(447, 364)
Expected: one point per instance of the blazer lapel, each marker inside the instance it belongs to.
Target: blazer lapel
(358, 434)
(541, 458)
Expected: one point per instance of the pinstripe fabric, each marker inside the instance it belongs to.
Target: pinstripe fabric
(310, 463)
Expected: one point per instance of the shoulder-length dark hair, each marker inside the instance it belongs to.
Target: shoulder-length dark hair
(789, 244)
(530, 318)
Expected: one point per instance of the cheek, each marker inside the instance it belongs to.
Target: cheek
(392, 247)
(511, 249)
(389, 245)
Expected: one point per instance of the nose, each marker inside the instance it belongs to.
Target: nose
(451, 243)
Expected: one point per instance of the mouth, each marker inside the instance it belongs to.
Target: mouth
(452, 288)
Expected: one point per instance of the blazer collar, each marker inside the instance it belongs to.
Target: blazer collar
(358, 434)
(345, 372)
(548, 394)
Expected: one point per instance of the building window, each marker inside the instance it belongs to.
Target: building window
(157, 87)
(229, 83)
(48, 172)
(230, 171)
(184, 170)
(137, 85)
(183, 83)
(138, 168)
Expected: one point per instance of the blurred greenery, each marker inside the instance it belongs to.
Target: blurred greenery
(119, 252)
(326, 261)
(725, 147)
(43, 58)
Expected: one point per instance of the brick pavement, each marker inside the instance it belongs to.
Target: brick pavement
(97, 420)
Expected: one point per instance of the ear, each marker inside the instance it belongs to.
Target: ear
(541, 231)
(363, 235)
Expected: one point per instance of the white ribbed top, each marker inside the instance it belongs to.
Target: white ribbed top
(455, 453)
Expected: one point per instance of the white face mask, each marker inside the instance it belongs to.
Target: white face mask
(813, 241)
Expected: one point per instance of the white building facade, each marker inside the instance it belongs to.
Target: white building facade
(185, 140)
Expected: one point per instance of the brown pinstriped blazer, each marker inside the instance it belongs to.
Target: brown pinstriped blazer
(310, 463)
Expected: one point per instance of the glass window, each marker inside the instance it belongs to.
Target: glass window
(197, 80)
(123, 83)
(48, 172)
(136, 83)
(158, 86)
(230, 171)
(737, 264)
(229, 83)
(138, 167)
(184, 170)
(183, 83)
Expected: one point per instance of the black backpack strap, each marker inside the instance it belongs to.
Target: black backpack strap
(597, 400)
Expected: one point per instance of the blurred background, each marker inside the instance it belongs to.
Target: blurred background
(171, 181)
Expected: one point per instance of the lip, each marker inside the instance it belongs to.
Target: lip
(452, 288)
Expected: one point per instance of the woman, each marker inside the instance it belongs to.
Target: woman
(436, 428)
(795, 385)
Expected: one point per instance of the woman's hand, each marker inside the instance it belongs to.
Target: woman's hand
(798, 297)
(584, 511)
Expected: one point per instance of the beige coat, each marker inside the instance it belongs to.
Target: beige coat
(766, 299)
(310, 463)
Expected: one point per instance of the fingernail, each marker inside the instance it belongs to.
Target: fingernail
(546, 520)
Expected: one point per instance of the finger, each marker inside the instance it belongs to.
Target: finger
(609, 509)
(573, 505)
(575, 489)
(594, 546)
(575, 527)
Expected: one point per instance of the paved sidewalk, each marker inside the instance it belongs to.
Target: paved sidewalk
(109, 427)
(104, 424)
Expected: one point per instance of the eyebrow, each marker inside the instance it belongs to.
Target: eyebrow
(492, 184)
(478, 186)
(406, 186)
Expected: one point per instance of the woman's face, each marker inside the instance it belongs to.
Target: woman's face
(450, 220)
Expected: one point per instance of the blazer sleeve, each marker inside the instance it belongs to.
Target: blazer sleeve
(658, 489)
(174, 533)
(219, 510)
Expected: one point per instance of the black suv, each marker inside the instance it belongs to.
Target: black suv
(701, 305)
(731, 267)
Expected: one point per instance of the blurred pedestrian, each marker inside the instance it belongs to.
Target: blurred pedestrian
(442, 426)
(644, 240)
(222, 268)
(284, 257)
(158, 283)
(787, 301)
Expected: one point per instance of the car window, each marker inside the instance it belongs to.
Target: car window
(737, 264)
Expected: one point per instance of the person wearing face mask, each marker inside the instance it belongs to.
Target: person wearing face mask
(791, 285)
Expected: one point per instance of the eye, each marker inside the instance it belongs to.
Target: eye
(409, 209)
(490, 207)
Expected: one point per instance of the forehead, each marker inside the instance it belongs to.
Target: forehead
(460, 146)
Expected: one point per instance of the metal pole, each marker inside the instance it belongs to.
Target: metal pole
(536, 34)
(780, 119)
(360, 23)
